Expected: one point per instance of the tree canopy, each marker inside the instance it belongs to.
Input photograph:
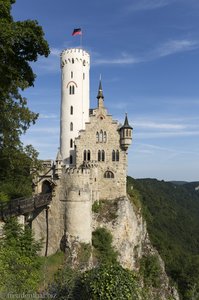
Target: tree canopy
(21, 42)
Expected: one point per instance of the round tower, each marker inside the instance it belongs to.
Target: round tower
(75, 64)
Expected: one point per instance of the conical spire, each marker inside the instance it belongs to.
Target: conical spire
(126, 123)
(100, 91)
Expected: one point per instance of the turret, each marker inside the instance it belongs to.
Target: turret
(58, 164)
(126, 134)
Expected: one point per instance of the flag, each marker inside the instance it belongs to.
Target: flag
(77, 31)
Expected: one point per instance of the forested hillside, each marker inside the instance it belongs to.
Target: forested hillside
(172, 215)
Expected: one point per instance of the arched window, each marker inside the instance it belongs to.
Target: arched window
(71, 159)
(101, 136)
(71, 126)
(88, 155)
(104, 137)
(99, 155)
(71, 74)
(71, 110)
(113, 155)
(103, 155)
(108, 174)
(71, 143)
(71, 90)
(84, 154)
(117, 155)
(97, 137)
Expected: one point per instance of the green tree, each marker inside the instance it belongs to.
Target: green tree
(21, 42)
(19, 262)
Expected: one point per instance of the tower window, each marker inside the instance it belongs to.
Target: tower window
(73, 60)
(87, 155)
(71, 90)
(117, 155)
(108, 174)
(97, 137)
(71, 110)
(113, 155)
(71, 143)
(71, 126)
(84, 154)
(99, 155)
(83, 75)
(71, 159)
(71, 74)
(104, 137)
(101, 136)
(103, 155)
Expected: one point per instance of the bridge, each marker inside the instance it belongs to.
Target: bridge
(22, 206)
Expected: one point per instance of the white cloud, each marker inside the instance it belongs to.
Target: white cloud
(122, 60)
(48, 116)
(147, 5)
(165, 49)
(175, 46)
(157, 125)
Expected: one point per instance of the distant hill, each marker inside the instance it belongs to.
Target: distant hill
(172, 214)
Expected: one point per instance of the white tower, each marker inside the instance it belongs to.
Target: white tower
(75, 64)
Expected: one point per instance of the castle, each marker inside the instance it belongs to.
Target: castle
(91, 163)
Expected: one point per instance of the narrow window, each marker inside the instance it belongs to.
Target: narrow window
(71, 159)
(83, 75)
(117, 155)
(88, 155)
(130, 132)
(71, 143)
(101, 136)
(113, 155)
(127, 132)
(103, 155)
(71, 74)
(73, 61)
(84, 155)
(97, 137)
(71, 110)
(71, 90)
(71, 126)
(105, 137)
(99, 155)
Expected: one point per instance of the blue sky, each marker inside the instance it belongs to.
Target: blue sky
(148, 54)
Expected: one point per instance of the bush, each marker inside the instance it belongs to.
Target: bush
(109, 282)
(150, 270)
(102, 242)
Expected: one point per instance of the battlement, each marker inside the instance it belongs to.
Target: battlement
(75, 55)
(77, 171)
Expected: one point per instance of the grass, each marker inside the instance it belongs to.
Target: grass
(49, 266)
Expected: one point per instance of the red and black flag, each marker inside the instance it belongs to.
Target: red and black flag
(77, 31)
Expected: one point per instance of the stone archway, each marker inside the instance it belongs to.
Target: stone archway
(46, 187)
